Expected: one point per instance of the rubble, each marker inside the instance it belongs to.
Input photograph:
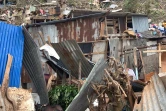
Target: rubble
(111, 58)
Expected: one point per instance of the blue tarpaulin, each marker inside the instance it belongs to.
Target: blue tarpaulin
(11, 42)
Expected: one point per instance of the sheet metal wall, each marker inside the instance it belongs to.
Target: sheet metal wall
(47, 30)
(82, 30)
(140, 23)
(11, 42)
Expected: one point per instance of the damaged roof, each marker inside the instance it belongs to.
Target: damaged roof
(153, 97)
(80, 12)
(70, 54)
(66, 20)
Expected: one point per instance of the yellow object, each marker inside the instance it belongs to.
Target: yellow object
(130, 32)
(164, 24)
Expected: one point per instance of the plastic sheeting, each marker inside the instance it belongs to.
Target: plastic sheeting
(11, 42)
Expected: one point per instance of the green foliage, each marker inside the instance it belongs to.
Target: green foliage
(131, 5)
(63, 95)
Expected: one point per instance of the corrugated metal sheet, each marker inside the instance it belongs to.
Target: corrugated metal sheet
(47, 30)
(32, 63)
(140, 23)
(70, 54)
(81, 30)
(11, 42)
(153, 97)
(81, 102)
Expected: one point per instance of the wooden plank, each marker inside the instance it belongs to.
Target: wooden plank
(49, 40)
(143, 65)
(79, 75)
(94, 53)
(159, 48)
(42, 37)
(106, 26)
(153, 51)
(102, 29)
(5, 82)
(135, 62)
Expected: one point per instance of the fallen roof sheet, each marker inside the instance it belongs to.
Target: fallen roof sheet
(11, 42)
(153, 97)
(80, 102)
(70, 54)
(32, 64)
(54, 63)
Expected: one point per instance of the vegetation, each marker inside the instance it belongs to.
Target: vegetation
(63, 95)
(155, 9)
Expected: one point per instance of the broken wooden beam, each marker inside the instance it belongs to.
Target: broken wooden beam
(5, 82)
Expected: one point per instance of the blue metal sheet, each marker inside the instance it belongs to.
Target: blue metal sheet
(11, 42)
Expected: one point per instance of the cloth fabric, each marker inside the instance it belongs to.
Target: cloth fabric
(131, 73)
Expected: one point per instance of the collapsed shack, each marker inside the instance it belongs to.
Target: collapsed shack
(108, 84)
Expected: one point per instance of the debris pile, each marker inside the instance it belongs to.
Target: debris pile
(79, 60)
(113, 93)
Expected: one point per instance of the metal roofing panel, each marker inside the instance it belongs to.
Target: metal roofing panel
(70, 54)
(32, 63)
(11, 42)
(153, 97)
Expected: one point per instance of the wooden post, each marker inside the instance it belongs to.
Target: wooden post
(135, 62)
(64, 79)
(159, 48)
(49, 40)
(5, 82)
(42, 37)
(126, 22)
(70, 77)
(79, 75)
(4, 2)
(142, 63)
(106, 26)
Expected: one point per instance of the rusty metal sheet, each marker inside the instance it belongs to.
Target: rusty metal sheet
(153, 97)
(70, 54)
(81, 30)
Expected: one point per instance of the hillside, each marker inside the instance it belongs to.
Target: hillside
(155, 9)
